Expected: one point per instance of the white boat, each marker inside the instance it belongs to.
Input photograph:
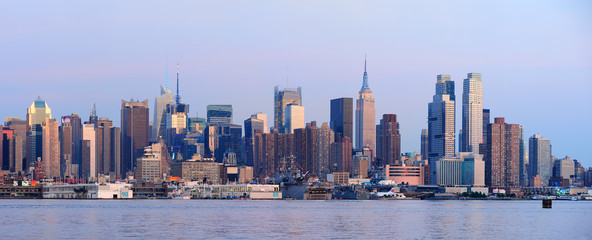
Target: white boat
(181, 197)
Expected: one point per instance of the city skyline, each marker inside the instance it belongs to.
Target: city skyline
(555, 71)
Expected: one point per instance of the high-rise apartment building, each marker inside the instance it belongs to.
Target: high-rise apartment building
(36, 114)
(294, 118)
(51, 148)
(441, 124)
(341, 156)
(88, 166)
(342, 121)
(365, 116)
(523, 159)
(312, 148)
(472, 119)
(281, 99)
(134, 133)
(502, 154)
(219, 114)
(539, 160)
(270, 150)
(18, 144)
(388, 141)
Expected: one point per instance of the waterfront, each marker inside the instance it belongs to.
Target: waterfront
(200, 219)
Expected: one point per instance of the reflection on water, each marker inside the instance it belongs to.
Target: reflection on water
(101, 219)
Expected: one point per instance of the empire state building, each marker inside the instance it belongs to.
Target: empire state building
(365, 116)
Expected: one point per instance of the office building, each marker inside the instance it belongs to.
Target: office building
(539, 160)
(160, 112)
(410, 175)
(220, 137)
(18, 144)
(365, 116)
(342, 121)
(270, 150)
(388, 141)
(424, 143)
(472, 119)
(199, 169)
(502, 154)
(36, 114)
(341, 155)
(256, 123)
(149, 167)
(294, 118)
(523, 159)
(473, 169)
(134, 133)
(564, 168)
(281, 99)
(441, 124)
(219, 114)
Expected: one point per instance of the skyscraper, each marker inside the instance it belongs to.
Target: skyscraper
(365, 116)
(36, 114)
(294, 118)
(342, 121)
(219, 114)
(51, 148)
(472, 119)
(88, 167)
(281, 99)
(441, 124)
(312, 148)
(220, 137)
(18, 144)
(424, 143)
(388, 141)
(134, 133)
(502, 154)
(160, 106)
(539, 159)
(523, 159)
(256, 123)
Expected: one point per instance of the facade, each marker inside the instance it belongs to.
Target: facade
(149, 167)
(294, 118)
(411, 175)
(441, 124)
(312, 147)
(388, 141)
(134, 133)
(160, 106)
(270, 150)
(564, 168)
(523, 159)
(219, 114)
(51, 148)
(341, 156)
(449, 171)
(220, 137)
(342, 121)
(197, 169)
(281, 99)
(473, 172)
(486, 122)
(502, 154)
(539, 159)
(361, 162)
(365, 116)
(36, 114)
(472, 119)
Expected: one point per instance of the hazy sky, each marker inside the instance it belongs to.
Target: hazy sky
(535, 57)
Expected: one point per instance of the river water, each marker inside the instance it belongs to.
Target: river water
(207, 219)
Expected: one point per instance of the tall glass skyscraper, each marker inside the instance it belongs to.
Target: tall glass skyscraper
(540, 161)
(160, 110)
(365, 116)
(281, 99)
(441, 124)
(36, 115)
(472, 119)
(342, 121)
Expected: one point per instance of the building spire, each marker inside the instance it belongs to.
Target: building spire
(365, 82)
(177, 98)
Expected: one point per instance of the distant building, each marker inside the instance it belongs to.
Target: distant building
(342, 118)
(312, 147)
(464, 169)
(88, 167)
(365, 116)
(294, 118)
(411, 175)
(219, 114)
(134, 133)
(441, 124)
(18, 144)
(153, 164)
(361, 162)
(256, 123)
(160, 112)
(281, 99)
(424, 143)
(220, 137)
(449, 171)
(540, 162)
(270, 149)
(51, 148)
(502, 154)
(341, 155)
(564, 168)
(36, 114)
(472, 119)
(204, 170)
(388, 141)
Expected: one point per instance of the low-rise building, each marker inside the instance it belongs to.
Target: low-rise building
(410, 175)
(89, 190)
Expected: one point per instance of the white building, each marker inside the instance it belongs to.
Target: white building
(294, 118)
(160, 105)
(472, 119)
(89, 190)
(89, 134)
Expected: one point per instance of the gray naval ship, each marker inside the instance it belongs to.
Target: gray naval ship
(292, 178)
